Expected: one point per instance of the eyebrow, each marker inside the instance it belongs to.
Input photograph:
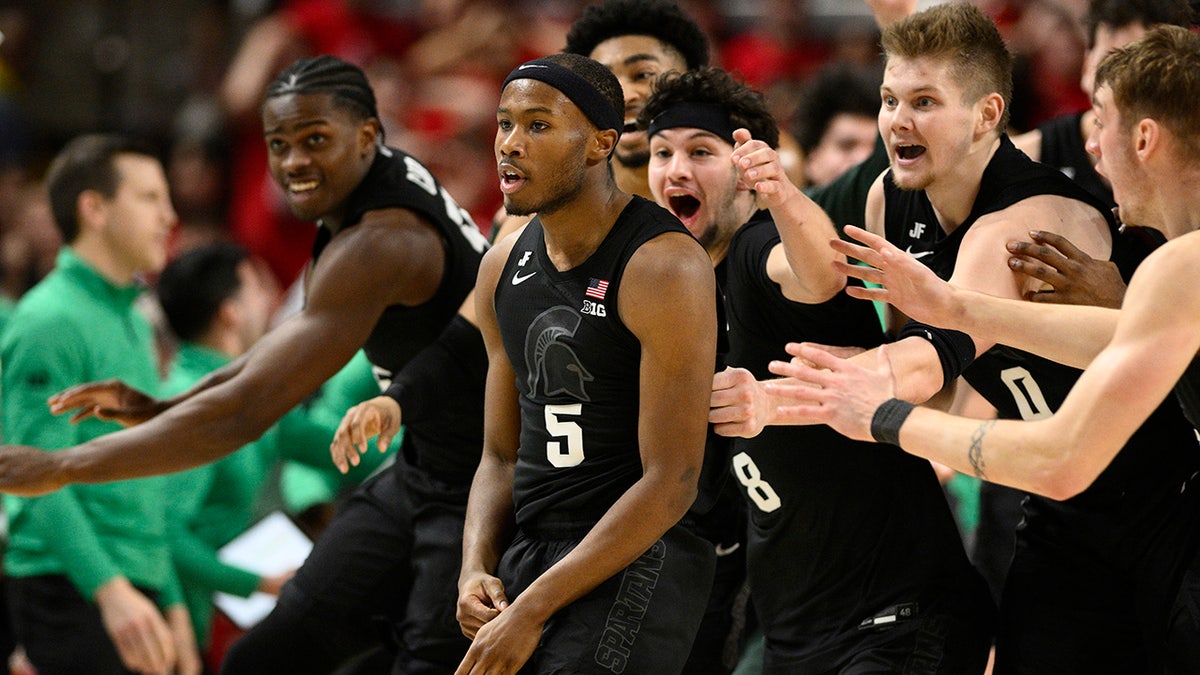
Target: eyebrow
(635, 58)
(541, 109)
(278, 129)
(924, 88)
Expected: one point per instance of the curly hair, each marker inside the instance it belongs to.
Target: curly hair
(659, 19)
(746, 107)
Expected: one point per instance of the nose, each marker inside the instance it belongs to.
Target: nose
(678, 167)
(898, 118)
(167, 215)
(1092, 146)
(294, 160)
(509, 143)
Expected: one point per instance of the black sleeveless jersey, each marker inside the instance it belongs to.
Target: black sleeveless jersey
(834, 522)
(450, 440)
(577, 369)
(1187, 391)
(1023, 386)
(1063, 149)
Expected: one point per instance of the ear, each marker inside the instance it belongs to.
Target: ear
(1147, 136)
(368, 135)
(229, 315)
(92, 209)
(991, 109)
(601, 145)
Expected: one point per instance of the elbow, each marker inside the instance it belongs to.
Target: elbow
(1060, 475)
(1061, 486)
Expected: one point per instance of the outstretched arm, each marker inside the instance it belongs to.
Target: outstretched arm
(346, 298)
(116, 401)
(1157, 337)
(913, 289)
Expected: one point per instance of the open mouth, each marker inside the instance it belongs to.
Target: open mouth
(630, 127)
(510, 180)
(684, 206)
(909, 151)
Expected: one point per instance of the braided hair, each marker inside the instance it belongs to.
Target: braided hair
(345, 82)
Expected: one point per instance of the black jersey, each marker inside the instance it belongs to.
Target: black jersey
(834, 522)
(1187, 391)
(450, 440)
(1063, 149)
(1110, 547)
(577, 370)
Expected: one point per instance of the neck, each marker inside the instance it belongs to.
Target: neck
(96, 254)
(223, 341)
(1179, 204)
(743, 209)
(953, 195)
(633, 179)
(573, 232)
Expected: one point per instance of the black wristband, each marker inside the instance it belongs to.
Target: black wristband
(887, 420)
(955, 349)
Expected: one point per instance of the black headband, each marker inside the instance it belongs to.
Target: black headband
(586, 97)
(707, 116)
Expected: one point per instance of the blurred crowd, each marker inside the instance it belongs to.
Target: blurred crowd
(189, 75)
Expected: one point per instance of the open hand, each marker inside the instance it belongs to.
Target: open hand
(379, 416)
(903, 281)
(107, 400)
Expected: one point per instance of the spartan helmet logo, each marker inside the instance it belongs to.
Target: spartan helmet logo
(551, 363)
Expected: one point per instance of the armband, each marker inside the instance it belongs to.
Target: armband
(887, 420)
(454, 358)
(955, 349)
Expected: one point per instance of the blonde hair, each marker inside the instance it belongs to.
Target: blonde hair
(1158, 77)
(963, 35)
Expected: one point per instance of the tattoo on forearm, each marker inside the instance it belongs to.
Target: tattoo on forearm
(975, 453)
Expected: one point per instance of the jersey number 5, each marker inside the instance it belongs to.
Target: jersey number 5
(573, 454)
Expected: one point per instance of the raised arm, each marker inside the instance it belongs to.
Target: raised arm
(347, 294)
(802, 266)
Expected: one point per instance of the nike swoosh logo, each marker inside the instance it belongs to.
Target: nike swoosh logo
(915, 254)
(517, 278)
(723, 551)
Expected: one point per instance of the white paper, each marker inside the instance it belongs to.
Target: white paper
(272, 546)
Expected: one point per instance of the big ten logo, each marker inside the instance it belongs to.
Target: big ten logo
(593, 308)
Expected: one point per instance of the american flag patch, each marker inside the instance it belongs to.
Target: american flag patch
(596, 288)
